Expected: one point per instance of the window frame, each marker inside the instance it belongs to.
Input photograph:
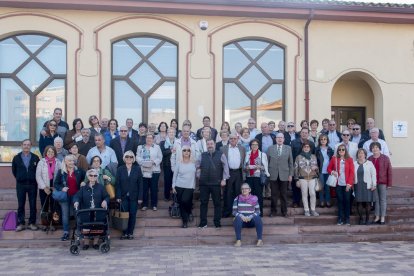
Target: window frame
(33, 136)
(144, 60)
(254, 62)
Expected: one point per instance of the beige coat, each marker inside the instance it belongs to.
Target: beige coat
(42, 175)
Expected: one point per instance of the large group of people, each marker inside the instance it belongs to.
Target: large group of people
(237, 168)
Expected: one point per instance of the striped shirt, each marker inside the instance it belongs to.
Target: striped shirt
(245, 209)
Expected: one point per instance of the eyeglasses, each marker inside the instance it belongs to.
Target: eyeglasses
(355, 129)
(345, 134)
(290, 125)
(255, 144)
(123, 130)
(129, 156)
(332, 124)
(342, 149)
(186, 150)
(93, 175)
(52, 125)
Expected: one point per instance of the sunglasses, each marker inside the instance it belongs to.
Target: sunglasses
(341, 149)
(345, 134)
(129, 156)
(290, 125)
(93, 175)
(255, 144)
(355, 129)
(186, 150)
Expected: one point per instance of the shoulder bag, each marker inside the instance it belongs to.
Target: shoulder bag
(332, 179)
(263, 176)
(60, 196)
(174, 209)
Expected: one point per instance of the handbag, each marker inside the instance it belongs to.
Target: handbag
(332, 179)
(120, 219)
(10, 221)
(60, 196)
(263, 176)
(110, 190)
(174, 209)
(318, 185)
(46, 216)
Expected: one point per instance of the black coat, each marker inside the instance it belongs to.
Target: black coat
(61, 179)
(319, 156)
(166, 155)
(260, 136)
(296, 146)
(213, 133)
(131, 184)
(84, 196)
(115, 144)
(85, 147)
(23, 175)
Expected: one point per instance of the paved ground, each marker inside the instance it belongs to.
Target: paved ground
(388, 258)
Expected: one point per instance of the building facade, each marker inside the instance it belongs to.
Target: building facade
(157, 60)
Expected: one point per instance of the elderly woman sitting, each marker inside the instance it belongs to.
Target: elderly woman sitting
(246, 211)
(91, 196)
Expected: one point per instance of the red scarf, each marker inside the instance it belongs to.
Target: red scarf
(253, 156)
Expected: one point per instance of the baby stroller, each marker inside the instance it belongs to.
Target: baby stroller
(91, 223)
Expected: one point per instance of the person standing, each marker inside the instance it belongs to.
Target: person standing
(24, 170)
(214, 172)
(206, 123)
(129, 191)
(184, 140)
(374, 132)
(281, 172)
(256, 164)
(201, 143)
(365, 185)
(251, 124)
(184, 183)
(383, 168)
(132, 133)
(112, 131)
(356, 135)
(162, 133)
(235, 155)
(60, 151)
(86, 143)
(106, 153)
(342, 166)
(166, 148)
(122, 144)
(49, 135)
(324, 154)
(61, 127)
(95, 126)
(370, 124)
(149, 157)
(334, 135)
(351, 147)
(282, 129)
(74, 135)
(292, 132)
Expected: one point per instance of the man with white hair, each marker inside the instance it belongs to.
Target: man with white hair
(374, 133)
(351, 147)
(251, 124)
(61, 152)
(370, 124)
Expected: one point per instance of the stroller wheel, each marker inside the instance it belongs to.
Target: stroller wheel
(74, 249)
(104, 248)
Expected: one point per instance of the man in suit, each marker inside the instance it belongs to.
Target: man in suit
(132, 133)
(281, 172)
(24, 170)
(235, 155)
(334, 135)
(123, 144)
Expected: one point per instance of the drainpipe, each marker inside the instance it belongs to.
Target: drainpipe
(307, 64)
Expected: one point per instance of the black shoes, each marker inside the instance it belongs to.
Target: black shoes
(124, 237)
(202, 226)
(65, 237)
(185, 225)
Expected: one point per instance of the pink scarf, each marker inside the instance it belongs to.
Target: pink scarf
(51, 164)
(250, 199)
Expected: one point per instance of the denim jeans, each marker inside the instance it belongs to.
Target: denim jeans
(130, 206)
(325, 194)
(67, 208)
(256, 221)
(151, 185)
(21, 191)
(344, 201)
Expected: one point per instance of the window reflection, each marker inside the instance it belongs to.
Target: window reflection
(127, 102)
(253, 75)
(161, 104)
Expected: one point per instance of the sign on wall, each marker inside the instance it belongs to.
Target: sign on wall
(399, 129)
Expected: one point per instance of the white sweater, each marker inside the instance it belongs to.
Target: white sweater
(370, 174)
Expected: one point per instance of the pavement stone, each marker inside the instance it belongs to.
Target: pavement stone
(385, 258)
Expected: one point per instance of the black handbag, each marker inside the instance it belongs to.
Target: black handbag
(174, 209)
(46, 216)
(120, 219)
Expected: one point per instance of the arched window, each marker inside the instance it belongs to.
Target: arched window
(144, 79)
(32, 85)
(253, 81)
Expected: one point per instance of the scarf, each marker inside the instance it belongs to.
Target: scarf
(253, 156)
(245, 141)
(51, 164)
(168, 143)
(250, 199)
(307, 155)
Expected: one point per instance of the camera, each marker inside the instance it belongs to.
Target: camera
(203, 25)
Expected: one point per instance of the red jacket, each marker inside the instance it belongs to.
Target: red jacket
(349, 169)
(384, 174)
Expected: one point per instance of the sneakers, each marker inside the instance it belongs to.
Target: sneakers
(348, 223)
(124, 237)
(202, 226)
(144, 208)
(259, 243)
(339, 222)
(154, 208)
(33, 227)
(65, 237)
(20, 228)
(314, 213)
(307, 214)
(238, 243)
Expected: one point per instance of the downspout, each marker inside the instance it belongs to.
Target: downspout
(307, 64)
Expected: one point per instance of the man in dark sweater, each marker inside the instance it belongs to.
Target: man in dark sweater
(214, 171)
(24, 170)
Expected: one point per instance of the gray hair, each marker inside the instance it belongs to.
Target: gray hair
(58, 139)
(374, 129)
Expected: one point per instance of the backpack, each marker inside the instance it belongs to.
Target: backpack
(10, 221)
